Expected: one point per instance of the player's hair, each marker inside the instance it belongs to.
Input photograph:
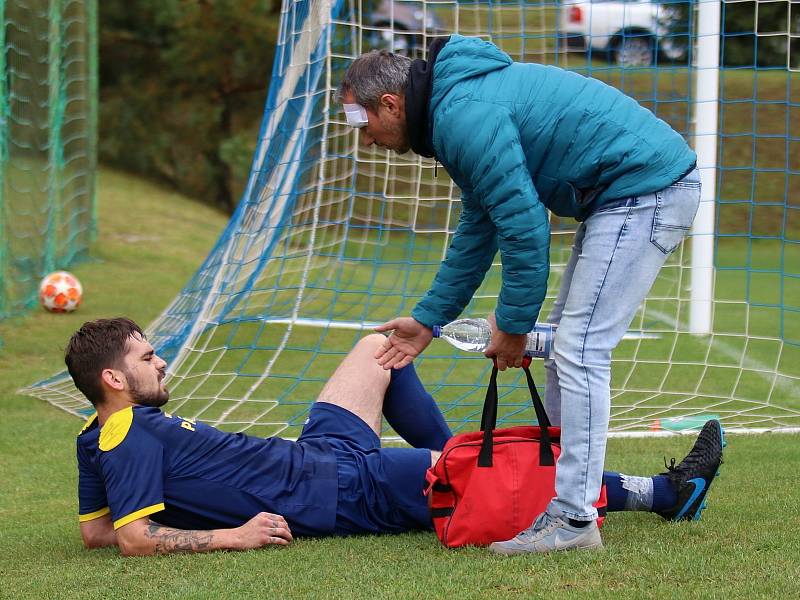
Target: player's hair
(97, 345)
(374, 74)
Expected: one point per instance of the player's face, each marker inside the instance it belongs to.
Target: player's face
(144, 372)
(387, 124)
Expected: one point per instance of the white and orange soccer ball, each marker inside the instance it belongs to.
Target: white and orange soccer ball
(60, 292)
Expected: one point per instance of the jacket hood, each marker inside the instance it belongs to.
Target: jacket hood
(464, 58)
(450, 60)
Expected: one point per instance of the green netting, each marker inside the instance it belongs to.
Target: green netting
(332, 237)
(48, 105)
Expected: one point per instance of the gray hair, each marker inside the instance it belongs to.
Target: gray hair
(374, 74)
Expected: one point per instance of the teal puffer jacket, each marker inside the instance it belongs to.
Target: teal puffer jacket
(519, 139)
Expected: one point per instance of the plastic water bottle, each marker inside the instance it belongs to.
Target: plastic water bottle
(474, 335)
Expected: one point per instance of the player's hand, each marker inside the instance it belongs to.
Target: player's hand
(262, 530)
(507, 348)
(409, 337)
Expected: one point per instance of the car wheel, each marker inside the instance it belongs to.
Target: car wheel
(634, 51)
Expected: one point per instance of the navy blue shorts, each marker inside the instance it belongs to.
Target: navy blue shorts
(380, 489)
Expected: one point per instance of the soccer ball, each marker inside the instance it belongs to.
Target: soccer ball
(60, 292)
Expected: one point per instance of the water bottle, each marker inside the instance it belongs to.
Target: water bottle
(473, 335)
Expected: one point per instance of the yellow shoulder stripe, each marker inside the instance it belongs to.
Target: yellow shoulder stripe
(88, 423)
(94, 515)
(115, 429)
(142, 512)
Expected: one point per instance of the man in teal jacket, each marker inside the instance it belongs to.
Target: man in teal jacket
(519, 140)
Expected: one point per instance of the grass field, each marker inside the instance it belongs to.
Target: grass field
(150, 243)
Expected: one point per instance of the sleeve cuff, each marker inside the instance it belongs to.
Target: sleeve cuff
(426, 318)
(142, 512)
(94, 515)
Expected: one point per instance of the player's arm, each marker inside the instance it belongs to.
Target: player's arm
(98, 533)
(97, 528)
(143, 537)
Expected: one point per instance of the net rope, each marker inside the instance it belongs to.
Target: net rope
(48, 104)
(331, 238)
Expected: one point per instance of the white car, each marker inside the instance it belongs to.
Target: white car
(632, 32)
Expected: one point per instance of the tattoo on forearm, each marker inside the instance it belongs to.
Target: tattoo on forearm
(178, 540)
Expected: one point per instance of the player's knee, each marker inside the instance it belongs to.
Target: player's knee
(372, 342)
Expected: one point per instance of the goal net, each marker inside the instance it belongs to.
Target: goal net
(331, 238)
(48, 103)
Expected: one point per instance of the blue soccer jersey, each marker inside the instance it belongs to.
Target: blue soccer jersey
(185, 474)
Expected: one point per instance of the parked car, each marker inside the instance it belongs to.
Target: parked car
(401, 27)
(631, 32)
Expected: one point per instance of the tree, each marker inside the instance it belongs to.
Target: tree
(182, 89)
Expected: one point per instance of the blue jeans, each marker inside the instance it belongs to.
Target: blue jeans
(617, 254)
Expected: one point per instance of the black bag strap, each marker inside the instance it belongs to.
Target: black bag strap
(489, 420)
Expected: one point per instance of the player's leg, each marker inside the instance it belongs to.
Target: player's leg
(412, 411)
(678, 494)
(361, 386)
(380, 490)
(359, 383)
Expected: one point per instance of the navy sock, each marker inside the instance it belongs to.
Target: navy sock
(665, 496)
(412, 412)
(615, 493)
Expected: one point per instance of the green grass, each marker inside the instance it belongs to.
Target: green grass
(150, 243)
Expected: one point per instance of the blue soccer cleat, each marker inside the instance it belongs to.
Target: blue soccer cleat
(695, 473)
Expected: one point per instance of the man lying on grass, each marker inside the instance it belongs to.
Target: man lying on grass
(151, 482)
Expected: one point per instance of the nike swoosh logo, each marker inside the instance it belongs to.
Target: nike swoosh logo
(699, 486)
(561, 541)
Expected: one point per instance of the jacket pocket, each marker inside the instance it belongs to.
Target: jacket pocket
(676, 207)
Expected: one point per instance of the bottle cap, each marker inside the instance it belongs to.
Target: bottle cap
(437, 331)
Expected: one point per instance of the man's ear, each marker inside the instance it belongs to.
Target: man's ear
(113, 379)
(393, 103)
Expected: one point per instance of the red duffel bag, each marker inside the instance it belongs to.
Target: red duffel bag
(490, 484)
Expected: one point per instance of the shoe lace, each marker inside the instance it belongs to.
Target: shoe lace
(696, 456)
(542, 522)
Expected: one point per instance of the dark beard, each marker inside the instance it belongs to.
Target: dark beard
(154, 399)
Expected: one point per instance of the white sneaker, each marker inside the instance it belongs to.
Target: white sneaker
(549, 533)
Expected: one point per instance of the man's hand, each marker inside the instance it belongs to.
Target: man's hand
(263, 529)
(507, 348)
(409, 338)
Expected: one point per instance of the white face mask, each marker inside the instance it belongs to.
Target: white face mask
(356, 115)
